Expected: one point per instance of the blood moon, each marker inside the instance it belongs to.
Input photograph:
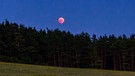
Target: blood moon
(61, 20)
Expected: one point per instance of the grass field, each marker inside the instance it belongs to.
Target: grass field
(13, 69)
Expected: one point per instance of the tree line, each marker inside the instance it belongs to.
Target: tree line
(22, 44)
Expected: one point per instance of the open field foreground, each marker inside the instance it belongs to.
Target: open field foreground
(13, 69)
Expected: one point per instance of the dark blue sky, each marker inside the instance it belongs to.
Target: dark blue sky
(93, 16)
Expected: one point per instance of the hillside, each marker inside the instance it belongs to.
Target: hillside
(14, 69)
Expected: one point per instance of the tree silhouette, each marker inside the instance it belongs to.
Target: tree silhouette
(60, 48)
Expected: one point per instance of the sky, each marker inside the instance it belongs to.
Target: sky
(98, 17)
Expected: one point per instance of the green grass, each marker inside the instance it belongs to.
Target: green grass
(13, 69)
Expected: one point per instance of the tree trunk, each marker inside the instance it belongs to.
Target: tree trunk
(119, 60)
(104, 63)
(132, 60)
(114, 61)
(77, 60)
(59, 59)
(54, 60)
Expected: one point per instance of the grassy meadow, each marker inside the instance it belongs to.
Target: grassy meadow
(14, 69)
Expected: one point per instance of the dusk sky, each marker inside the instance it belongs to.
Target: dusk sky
(93, 16)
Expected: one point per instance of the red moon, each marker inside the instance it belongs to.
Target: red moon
(61, 20)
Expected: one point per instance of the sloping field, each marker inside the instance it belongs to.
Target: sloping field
(13, 69)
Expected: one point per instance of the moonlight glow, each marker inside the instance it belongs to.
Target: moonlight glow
(61, 20)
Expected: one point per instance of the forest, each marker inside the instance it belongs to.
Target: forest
(20, 44)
